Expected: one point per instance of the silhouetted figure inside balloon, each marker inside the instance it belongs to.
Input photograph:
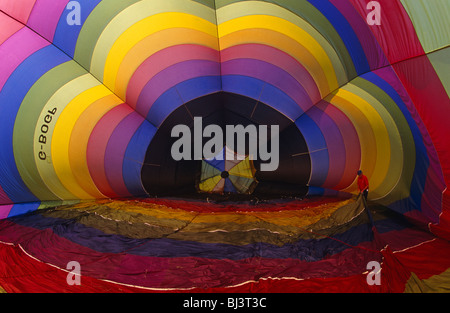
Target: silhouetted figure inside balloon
(363, 184)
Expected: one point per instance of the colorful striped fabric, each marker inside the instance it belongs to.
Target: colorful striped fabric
(315, 245)
(90, 89)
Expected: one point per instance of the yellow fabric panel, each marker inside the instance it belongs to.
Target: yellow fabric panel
(373, 135)
(359, 120)
(143, 29)
(135, 13)
(150, 209)
(242, 169)
(243, 8)
(297, 218)
(62, 135)
(79, 141)
(394, 156)
(209, 184)
(284, 218)
(58, 102)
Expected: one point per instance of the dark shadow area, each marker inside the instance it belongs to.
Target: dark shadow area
(163, 176)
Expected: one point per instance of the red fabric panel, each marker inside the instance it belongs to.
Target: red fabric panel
(53, 249)
(433, 105)
(396, 34)
(443, 229)
(20, 10)
(426, 260)
(394, 275)
(21, 273)
(97, 145)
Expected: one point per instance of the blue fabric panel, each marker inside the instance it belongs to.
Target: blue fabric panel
(66, 35)
(346, 33)
(179, 95)
(317, 148)
(22, 208)
(263, 92)
(135, 156)
(11, 97)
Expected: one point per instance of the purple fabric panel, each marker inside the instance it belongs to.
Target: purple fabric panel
(278, 58)
(374, 53)
(350, 141)
(45, 17)
(335, 146)
(161, 60)
(115, 152)
(172, 76)
(272, 75)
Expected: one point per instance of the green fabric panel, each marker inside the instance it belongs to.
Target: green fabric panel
(137, 13)
(391, 171)
(96, 218)
(93, 27)
(310, 14)
(209, 3)
(209, 171)
(431, 21)
(56, 203)
(266, 8)
(243, 184)
(441, 62)
(407, 165)
(313, 16)
(27, 119)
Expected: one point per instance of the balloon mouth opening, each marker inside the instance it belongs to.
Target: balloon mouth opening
(162, 176)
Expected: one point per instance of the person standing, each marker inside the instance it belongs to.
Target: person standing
(363, 184)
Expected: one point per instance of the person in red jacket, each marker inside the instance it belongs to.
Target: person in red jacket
(363, 184)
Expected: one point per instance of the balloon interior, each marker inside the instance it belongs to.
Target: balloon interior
(214, 146)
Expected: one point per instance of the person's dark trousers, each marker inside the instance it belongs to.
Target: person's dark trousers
(365, 194)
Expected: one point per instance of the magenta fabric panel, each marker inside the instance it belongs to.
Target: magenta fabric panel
(45, 17)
